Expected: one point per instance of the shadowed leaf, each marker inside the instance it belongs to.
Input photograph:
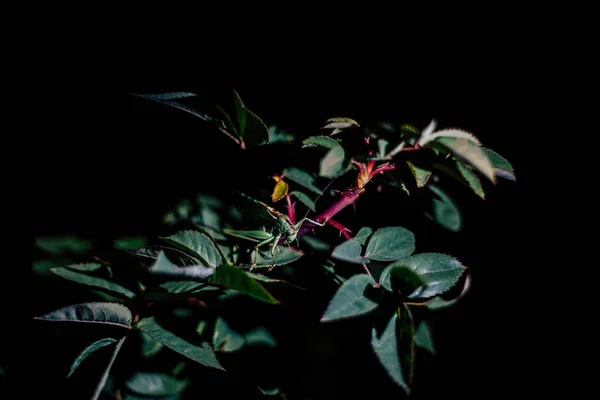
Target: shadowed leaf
(155, 384)
(363, 235)
(92, 313)
(332, 165)
(304, 199)
(89, 350)
(390, 243)
(423, 337)
(231, 277)
(349, 251)
(502, 167)
(471, 179)
(445, 211)
(302, 178)
(471, 153)
(197, 245)
(63, 244)
(421, 174)
(93, 281)
(163, 266)
(351, 299)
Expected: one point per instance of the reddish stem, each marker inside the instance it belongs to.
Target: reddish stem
(290, 207)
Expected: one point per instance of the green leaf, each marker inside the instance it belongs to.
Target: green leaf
(257, 132)
(164, 99)
(166, 96)
(390, 243)
(226, 339)
(339, 123)
(445, 211)
(155, 384)
(423, 337)
(323, 141)
(130, 242)
(63, 244)
(304, 199)
(260, 336)
(353, 298)
(394, 347)
(438, 302)
(349, 251)
(106, 373)
(449, 133)
(163, 266)
(93, 281)
(332, 165)
(302, 178)
(87, 267)
(382, 146)
(232, 277)
(502, 167)
(421, 175)
(471, 179)
(98, 344)
(471, 153)
(241, 113)
(363, 235)
(283, 255)
(229, 123)
(92, 313)
(277, 135)
(203, 354)
(149, 346)
(197, 245)
(181, 286)
(400, 278)
(439, 272)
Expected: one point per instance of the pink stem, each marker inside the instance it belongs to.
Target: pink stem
(290, 207)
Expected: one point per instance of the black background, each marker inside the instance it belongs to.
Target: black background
(104, 163)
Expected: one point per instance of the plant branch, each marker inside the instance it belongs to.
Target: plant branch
(104, 377)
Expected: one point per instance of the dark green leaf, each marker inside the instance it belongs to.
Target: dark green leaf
(302, 178)
(257, 132)
(92, 313)
(163, 266)
(349, 251)
(423, 337)
(339, 123)
(197, 245)
(362, 235)
(232, 277)
(106, 372)
(203, 354)
(401, 279)
(304, 199)
(63, 244)
(445, 211)
(226, 339)
(323, 141)
(421, 174)
(439, 272)
(283, 255)
(89, 267)
(260, 336)
(315, 243)
(471, 153)
(93, 281)
(390, 243)
(155, 384)
(332, 165)
(471, 179)
(149, 346)
(502, 167)
(130, 242)
(382, 145)
(98, 344)
(166, 96)
(353, 298)
(229, 123)
(175, 104)
(181, 286)
(394, 346)
(241, 113)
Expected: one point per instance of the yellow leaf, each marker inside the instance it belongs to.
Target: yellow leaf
(281, 189)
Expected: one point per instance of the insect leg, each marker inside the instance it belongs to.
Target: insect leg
(264, 242)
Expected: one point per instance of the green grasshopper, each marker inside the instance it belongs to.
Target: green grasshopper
(279, 226)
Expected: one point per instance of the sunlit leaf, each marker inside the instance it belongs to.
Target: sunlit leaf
(280, 190)
(231, 277)
(98, 344)
(471, 153)
(355, 297)
(502, 167)
(323, 141)
(449, 133)
(93, 281)
(202, 354)
(339, 123)
(163, 266)
(390, 243)
(92, 313)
